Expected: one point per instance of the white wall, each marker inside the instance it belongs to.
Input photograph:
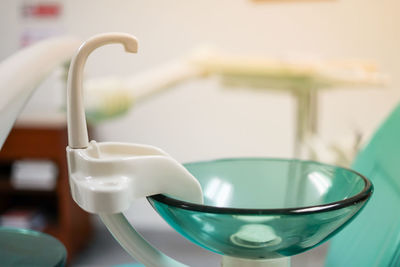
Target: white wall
(198, 120)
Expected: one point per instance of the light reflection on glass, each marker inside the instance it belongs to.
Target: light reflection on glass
(320, 181)
(256, 219)
(219, 192)
(208, 227)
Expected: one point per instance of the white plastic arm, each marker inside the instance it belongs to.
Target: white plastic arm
(134, 244)
(22, 72)
(151, 82)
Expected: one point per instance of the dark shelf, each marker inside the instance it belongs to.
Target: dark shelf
(66, 221)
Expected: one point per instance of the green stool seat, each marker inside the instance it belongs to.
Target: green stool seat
(20, 247)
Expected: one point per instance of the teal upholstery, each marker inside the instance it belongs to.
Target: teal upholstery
(373, 238)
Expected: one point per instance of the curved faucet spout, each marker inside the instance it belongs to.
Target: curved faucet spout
(77, 129)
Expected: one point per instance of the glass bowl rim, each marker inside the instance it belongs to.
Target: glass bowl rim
(362, 196)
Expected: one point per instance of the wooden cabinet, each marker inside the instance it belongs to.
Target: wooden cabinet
(65, 220)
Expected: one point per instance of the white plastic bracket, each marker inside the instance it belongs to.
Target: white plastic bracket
(107, 177)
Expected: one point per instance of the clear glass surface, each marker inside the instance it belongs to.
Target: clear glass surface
(21, 247)
(265, 208)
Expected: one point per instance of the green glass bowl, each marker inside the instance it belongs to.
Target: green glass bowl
(259, 208)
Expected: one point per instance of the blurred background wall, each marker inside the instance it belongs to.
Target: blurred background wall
(199, 119)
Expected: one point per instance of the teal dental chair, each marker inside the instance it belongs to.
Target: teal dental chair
(373, 238)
